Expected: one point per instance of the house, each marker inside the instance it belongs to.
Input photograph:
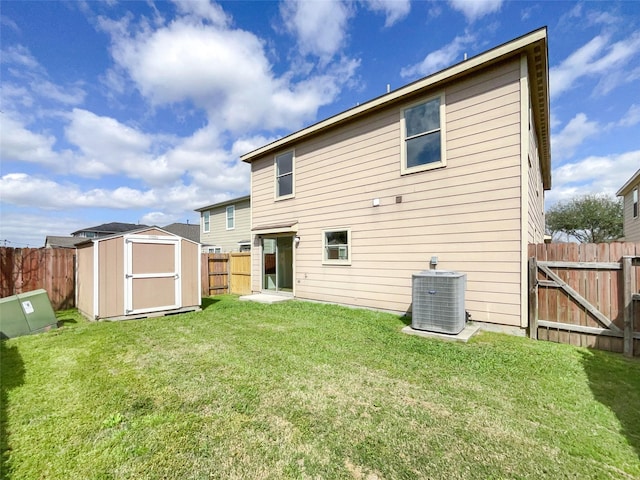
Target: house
(185, 230)
(106, 229)
(447, 172)
(631, 222)
(52, 241)
(226, 226)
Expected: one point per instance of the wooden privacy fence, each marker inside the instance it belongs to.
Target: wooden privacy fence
(586, 295)
(226, 273)
(26, 269)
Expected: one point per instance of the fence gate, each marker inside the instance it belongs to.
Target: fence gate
(226, 273)
(585, 294)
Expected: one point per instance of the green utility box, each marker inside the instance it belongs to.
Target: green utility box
(26, 313)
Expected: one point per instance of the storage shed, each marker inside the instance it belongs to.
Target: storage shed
(140, 273)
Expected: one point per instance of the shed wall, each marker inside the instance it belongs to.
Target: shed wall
(111, 277)
(85, 280)
(467, 214)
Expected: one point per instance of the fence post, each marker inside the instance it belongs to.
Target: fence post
(533, 298)
(629, 288)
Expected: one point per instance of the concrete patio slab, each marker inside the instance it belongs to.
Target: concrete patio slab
(463, 336)
(265, 298)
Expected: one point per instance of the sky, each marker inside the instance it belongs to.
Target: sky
(138, 112)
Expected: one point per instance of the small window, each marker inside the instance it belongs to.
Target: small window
(284, 175)
(423, 136)
(215, 250)
(231, 217)
(337, 247)
(244, 247)
(205, 221)
(635, 202)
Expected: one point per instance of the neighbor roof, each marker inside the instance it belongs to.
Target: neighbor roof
(186, 230)
(222, 204)
(113, 227)
(534, 44)
(61, 242)
(630, 183)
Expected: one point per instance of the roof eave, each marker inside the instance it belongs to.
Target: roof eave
(628, 184)
(526, 43)
(222, 204)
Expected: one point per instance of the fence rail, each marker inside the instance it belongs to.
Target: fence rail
(26, 269)
(586, 295)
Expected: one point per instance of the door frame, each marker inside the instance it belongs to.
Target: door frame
(129, 276)
(275, 237)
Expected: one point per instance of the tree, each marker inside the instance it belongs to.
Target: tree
(587, 218)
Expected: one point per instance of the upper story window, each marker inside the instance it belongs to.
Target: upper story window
(231, 217)
(423, 136)
(284, 175)
(205, 221)
(635, 202)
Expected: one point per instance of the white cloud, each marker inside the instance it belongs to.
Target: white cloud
(20, 55)
(439, 59)
(594, 174)
(475, 9)
(598, 57)
(203, 9)
(395, 10)
(73, 95)
(19, 143)
(320, 27)
(33, 228)
(579, 128)
(632, 117)
(26, 190)
(224, 71)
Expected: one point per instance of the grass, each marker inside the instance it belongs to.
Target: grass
(301, 390)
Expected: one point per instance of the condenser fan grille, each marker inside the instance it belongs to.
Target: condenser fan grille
(438, 301)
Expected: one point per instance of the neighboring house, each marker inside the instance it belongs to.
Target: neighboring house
(52, 241)
(452, 167)
(105, 229)
(631, 220)
(185, 230)
(225, 226)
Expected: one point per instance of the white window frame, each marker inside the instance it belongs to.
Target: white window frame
(215, 250)
(277, 177)
(232, 209)
(206, 221)
(404, 170)
(634, 203)
(327, 261)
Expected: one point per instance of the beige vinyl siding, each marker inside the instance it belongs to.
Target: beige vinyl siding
(110, 277)
(631, 225)
(85, 280)
(218, 234)
(536, 222)
(468, 213)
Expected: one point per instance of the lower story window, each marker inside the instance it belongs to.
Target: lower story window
(337, 246)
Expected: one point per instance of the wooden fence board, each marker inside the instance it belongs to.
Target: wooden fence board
(226, 273)
(585, 305)
(52, 269)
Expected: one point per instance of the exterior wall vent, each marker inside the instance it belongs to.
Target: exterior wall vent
(438, 301)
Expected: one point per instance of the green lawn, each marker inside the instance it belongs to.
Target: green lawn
(302, 390)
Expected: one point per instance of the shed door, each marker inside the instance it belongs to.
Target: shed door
(153, 274)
